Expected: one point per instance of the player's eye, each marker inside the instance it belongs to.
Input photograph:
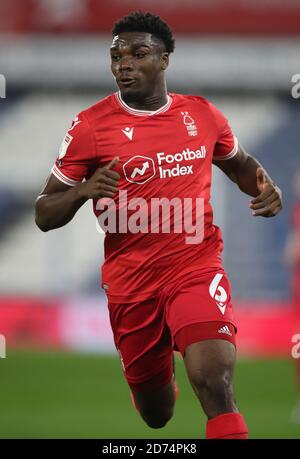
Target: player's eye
(115, 57)
(140, 55)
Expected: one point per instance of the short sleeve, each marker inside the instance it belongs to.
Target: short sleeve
(76, 154)
(226, 145)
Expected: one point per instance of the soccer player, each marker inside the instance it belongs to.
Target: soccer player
(292, 259)
(144, 147)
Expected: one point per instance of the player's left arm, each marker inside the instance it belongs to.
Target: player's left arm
(253, 179)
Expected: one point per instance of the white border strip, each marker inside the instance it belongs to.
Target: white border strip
(231, 154)
(136, 112)
(63, 178)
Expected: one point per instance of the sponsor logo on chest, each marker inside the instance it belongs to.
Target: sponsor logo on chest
(141, 169)
(176, 169)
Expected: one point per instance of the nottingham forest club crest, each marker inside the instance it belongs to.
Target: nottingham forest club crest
(189, 124)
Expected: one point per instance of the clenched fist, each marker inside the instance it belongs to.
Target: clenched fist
(269, 201)
(102, 184)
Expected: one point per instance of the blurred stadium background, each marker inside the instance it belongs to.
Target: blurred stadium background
(62, 377)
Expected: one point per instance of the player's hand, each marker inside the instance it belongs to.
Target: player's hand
(269, 201)
(103, 183)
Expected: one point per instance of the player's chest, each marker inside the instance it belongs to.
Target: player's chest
(163, 147)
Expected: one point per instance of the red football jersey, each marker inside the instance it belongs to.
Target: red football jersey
(164, 154)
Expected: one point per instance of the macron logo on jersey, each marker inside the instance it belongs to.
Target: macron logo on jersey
(128, 132)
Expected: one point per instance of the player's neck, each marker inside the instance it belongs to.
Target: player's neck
(149, 103)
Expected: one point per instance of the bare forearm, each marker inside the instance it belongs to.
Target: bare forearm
(245, 176)
(253, 179)
(57, 209)
(58, 203)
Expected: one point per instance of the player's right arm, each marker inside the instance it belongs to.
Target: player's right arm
(58, 202)
(65, 191)
(244, 170)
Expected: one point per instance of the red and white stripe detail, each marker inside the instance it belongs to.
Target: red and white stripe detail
(133, 111)
(63, 178)
(231, 154)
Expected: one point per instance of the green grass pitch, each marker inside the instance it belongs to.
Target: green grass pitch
(65, 395)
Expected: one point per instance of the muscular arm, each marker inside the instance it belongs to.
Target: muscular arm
(58, 203)
(252, 179)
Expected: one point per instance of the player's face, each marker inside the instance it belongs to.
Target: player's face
(138, 62)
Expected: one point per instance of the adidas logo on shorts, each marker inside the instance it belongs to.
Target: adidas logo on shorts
(225, 330)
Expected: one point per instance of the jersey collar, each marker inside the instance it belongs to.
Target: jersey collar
(136, 112)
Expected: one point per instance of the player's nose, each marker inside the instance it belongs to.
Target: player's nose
(126, 63)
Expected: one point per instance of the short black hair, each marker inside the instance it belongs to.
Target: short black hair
(137, 21)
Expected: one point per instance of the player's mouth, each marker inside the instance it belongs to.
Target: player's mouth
(126, 81)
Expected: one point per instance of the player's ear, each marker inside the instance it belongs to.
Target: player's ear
(164, 60)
